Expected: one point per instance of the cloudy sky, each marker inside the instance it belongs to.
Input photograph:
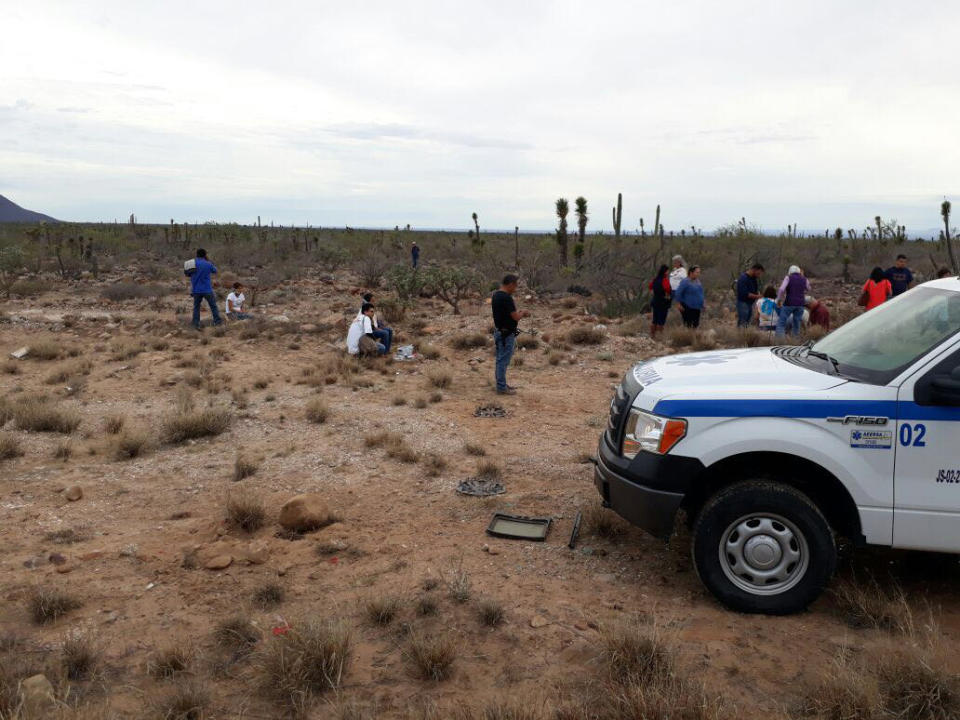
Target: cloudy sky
(382, 113)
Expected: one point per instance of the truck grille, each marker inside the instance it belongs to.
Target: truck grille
(619, 405)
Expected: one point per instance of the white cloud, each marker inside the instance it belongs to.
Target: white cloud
(383, 113)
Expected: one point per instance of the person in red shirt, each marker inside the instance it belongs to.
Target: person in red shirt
(877, 289)
(660, 303)
(819, 314)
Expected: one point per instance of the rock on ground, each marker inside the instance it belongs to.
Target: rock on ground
(304, 513)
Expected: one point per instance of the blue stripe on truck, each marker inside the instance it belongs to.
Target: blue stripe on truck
(815, 409)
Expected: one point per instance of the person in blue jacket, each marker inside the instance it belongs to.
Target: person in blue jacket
(201, 287)
(689, 296)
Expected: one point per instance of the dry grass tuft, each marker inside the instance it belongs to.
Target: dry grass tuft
(73, 369)
(381, 610)
(45, 416)
(488, 470)
(491, 613)
(246, 511)
(187, 701)
(171, 660)
(436, 397)
(49, 604)
(434, 464)
(865, 604)
(44, 350)
(10, 446)
(468, 341)
(440, 379)
(585, 336)
(431, 656)
(317, 411)
(126, 349)
(527, 342)
(400, 401)
(194, 424)
(67, 536)
(236, 634)
(79, 656)
(10, 367)
(427, 606)
(243, 467)
(131, 443)
(420, 402)
(603, 522)
(114, 424)
(63, 450)
(458, 583)
(430, 352)
(635, 653)
(913, 687)
(269, 595)
(307, 660)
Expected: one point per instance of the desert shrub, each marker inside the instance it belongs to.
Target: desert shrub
(67, 536)
(114, 424)
(554, 358)
(243, 467)
(633, 326)
(193, 424)
(491, 613)
(431, 655)
(430, 351)
(269, 595)
(474, 449)
(635, 653)
(120, 291)
(436, 397)
(126, 349)
(79, 656)
(261, 383)
(236, 634)
(69, 370)
(245, 511)
(680, 337)
(434, 464)
(310, 658)
(171, 660)
(45, 416)
(380, 610)
(44, 350)
(63, 450)
(11, 367)
(527, 342)
(426, 605)
(915, 688)
(48, 604)
(158, 343)
(458, 583)
(29, 287)
(131, 443)
(585, 336)
(399, 401)
(317, 411)
(392, 311)
(420, 402)
(440, 379)
(468, 341)
(402, 452)
(603, 522)
(866, 604)
(188, 700)
(487, 470)
(10, 446)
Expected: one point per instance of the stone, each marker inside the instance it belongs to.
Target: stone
(37, 697)
(257, 553)
(64, 569)
(57, 559)
(218, 562)
(73, 493)
(304, 513)
(538, 621)
(20, 353)
(308, 328)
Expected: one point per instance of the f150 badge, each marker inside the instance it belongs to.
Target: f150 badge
(859, 420)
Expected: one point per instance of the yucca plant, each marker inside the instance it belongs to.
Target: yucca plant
(563, 209)
(945, 213)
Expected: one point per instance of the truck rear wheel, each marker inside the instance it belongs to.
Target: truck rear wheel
(763, 547)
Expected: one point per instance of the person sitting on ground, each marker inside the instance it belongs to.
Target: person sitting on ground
(767, 311)
(381, 332)
(360, 339)
(235, 300)
(791, 295)
(876, 290)
(819, 313)
(660, 304)
(689, 297)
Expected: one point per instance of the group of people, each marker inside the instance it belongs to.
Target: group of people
(201, 272)
(678, 284)
(367, 334)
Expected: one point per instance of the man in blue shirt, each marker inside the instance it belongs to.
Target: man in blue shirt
(689, 296)
(748, 290)
(201, 287)
(415, 255)
(899, 276)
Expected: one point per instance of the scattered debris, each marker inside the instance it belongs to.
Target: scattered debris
(19, 354)
(518, 528)
(480, 487)
(575, 533)
(494, 411)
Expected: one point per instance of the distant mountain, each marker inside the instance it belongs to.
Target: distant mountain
(10, 212)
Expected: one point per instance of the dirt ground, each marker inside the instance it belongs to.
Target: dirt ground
(139, 518)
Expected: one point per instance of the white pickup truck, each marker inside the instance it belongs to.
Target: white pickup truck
(772, 452)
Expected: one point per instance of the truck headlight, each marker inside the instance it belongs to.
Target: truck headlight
(652, 433)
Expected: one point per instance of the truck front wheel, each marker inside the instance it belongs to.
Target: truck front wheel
(763, 547)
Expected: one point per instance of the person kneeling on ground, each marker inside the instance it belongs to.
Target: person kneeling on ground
(381, 332)
(689, 296)
(235, 302)
(767, 311)
(360, 339)
(819, 314)
(505, 319)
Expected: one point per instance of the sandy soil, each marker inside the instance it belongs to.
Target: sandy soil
(398, 525)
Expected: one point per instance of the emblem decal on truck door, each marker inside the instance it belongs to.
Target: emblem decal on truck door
(871, 439)
(859, 420)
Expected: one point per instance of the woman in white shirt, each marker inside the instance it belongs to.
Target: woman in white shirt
(678, 273)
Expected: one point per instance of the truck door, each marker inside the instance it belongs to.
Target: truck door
(927, 466)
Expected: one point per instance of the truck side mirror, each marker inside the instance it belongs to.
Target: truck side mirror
(946, 388)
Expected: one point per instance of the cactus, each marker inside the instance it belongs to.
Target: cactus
(617, 217)
(580, 208)
(516, 246)
(475, 236)
(879, 223)
(563, 207)
(643, 233)
(945, 208)
(657, 230)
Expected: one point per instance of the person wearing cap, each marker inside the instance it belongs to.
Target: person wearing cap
(790, 297)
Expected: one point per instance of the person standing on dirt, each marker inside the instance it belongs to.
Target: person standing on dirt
(690, 298)
(876, 290)
(791, 297)
(201, 287)
(505, 320)
(748, 292)
(899, 276)
(678, 273)
(415, 255)
(660, 304)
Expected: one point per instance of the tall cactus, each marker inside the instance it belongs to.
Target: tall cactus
(617, 217)
(945, 208)
(879, 227)
(563, 207)
(657, 230)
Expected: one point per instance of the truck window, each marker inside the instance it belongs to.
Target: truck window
(878, 345)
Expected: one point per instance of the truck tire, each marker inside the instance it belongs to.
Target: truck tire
(763, 547)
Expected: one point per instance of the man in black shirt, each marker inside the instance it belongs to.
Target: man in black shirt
(505, 318)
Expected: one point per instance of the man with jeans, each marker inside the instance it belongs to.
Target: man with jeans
(748, 291)
(201, 287)
(793, 292)
(505, 319)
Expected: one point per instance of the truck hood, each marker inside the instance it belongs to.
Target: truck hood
(744, 373)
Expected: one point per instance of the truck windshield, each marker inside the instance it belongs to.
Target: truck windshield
(878, 345)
